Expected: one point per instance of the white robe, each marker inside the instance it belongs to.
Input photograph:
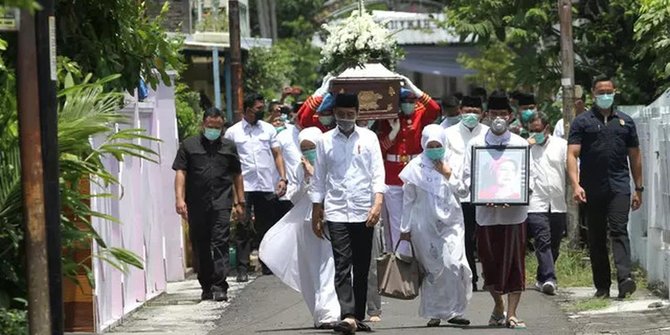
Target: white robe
(436, 225)
(302, 261)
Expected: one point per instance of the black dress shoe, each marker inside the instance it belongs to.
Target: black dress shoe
(626, 287)
(459, 321)
(602, 293)
(206, 295)
(360, 326)
(242, 276)
(345, 327)
(327, 325)
(220, 296)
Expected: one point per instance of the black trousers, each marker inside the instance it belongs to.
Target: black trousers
(608, 213)
(263, 205)
(547, 230)
(209, 231)
(284, 207)
(352, 247)
(470, 244)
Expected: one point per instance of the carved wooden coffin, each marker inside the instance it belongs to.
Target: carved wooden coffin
(377, 87)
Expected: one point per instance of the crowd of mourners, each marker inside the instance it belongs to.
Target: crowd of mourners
(322, 194)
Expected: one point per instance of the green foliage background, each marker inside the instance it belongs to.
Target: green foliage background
(628, 40)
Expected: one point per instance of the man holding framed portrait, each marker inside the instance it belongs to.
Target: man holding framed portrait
(496, 172)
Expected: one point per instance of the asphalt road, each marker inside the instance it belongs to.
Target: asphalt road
(267, 306)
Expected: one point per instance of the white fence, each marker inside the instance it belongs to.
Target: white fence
(144, 203)
(649, 227)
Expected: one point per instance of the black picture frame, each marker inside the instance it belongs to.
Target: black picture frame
(500, 175)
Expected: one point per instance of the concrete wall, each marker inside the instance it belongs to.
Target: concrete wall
(144, 204)
(649, 227)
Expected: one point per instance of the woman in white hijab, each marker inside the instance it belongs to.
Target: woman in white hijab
(295, 255)
(433, 220)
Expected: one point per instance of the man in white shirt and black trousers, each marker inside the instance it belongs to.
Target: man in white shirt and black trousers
(547, 206)
(262, 164)
(348, 193)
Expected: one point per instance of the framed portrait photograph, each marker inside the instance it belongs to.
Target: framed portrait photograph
(499, 175)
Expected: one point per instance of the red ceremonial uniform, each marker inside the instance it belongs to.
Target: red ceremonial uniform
(408, 141)
(307, 116)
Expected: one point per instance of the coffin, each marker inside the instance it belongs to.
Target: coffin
(377, 87)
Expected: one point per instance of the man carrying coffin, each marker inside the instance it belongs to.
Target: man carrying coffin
(401, 141)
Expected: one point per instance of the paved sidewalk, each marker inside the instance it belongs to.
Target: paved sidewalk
(269, 307)
(179, 311)
(643, 313)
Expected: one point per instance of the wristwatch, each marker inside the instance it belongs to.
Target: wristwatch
(240, 203)
(639, 189)
(284, 180)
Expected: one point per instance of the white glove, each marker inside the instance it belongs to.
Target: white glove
(325, 86)
(410, 86)
(395, 128)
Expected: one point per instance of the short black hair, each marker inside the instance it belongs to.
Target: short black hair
(542, 116)
(346, 100)
(251, 98)
(601, 78)
(212, 112)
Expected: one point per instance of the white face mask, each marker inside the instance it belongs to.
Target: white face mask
(346, 125)
(498, 126)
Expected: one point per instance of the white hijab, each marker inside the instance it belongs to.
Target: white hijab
(421, 170)
(312, 134)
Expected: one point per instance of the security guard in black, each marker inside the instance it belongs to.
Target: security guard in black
(207, 169)
(604, 151)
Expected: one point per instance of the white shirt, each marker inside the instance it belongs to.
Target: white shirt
(486, 216)
(458, 137)
(349, 172)
(559, 129)
(290, 149)
(254, 146)
(547, 176)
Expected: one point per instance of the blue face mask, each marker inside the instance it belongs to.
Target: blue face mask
(605, 101)
(212, 133)
(540, 138)
(435, 153)
(326, 120)
(407, 108)
(310, 155)
(527, 115)
(470, 120)
(452, 120)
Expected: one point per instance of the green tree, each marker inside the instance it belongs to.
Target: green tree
(189, 113)
(117, 37)
(603, 42)
(652, 32)
(267, 71)
(493, 67)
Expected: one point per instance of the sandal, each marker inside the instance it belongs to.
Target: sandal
(497, 320)
(514, 323)
(433, 323)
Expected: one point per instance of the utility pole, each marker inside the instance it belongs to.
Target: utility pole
(45, 30)
(568, 84)
(236, 58)
(32, 179)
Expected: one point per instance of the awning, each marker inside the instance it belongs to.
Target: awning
(436, 59)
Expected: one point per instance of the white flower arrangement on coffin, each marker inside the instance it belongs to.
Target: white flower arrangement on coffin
(357, 40)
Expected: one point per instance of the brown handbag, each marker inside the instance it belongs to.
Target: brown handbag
(398, 276)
